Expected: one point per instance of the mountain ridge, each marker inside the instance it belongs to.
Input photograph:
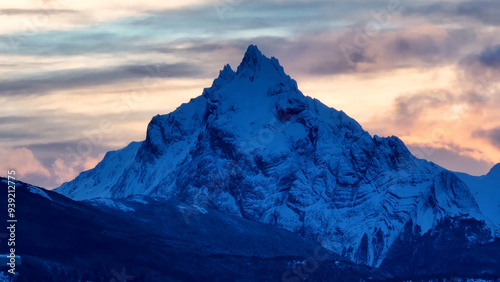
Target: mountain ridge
(494, 171)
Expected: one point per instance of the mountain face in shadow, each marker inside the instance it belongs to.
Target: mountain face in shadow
(141, 238)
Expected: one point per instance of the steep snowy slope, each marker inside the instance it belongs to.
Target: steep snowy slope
(486, 191)
(254, 146)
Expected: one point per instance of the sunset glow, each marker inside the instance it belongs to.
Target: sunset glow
(88, 76)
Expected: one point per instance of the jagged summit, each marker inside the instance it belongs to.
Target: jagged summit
(255, 64)
(225, 75)
(256, 75)
(252, 59)
(227, 72)
(254, 146)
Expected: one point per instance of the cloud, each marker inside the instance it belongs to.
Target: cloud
(47, 127)
(23, 162)
(48, 153)
(491, 57)
(486, 62)
(24, 12)
(47, 165)
(57, 72)
(409, 107)
(480, 11)
(424, 46)
(82, 78)
(189, 31)
(454, 158)
(491, 135)
(64, 171)
(463, 104)
(360, 50)
(478, 75)
(166, 27)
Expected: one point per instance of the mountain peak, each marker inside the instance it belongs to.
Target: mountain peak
(257, 69)
(254, 64)
(251, 59)
(225, 75)
(227, 72)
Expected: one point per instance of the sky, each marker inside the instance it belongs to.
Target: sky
(81, 78)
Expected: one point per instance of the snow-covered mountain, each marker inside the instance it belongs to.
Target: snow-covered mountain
(486, 191)
(254, 146)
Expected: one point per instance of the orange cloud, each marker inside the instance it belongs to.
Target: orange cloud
(22, 161)
(64, 172)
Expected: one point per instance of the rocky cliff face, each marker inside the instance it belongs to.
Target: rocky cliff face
(254, 146)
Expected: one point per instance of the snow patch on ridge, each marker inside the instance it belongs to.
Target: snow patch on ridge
(111, 204)
(38, 191)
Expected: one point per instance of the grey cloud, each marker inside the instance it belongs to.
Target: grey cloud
(490, 57)
(55, 147)
(305, 20)
(452, 159)
(47, 153)
(338, 66)
(486, 60)
(197, 46)
(390, 49)
(167, 27)
(15, 120)
(59, 126)
(478, 75)
(82, 78)
(244, 15)
(480, 11)
(24, 12)
(13, 135)
(491, 135)
(39, 126)
(408, 108)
